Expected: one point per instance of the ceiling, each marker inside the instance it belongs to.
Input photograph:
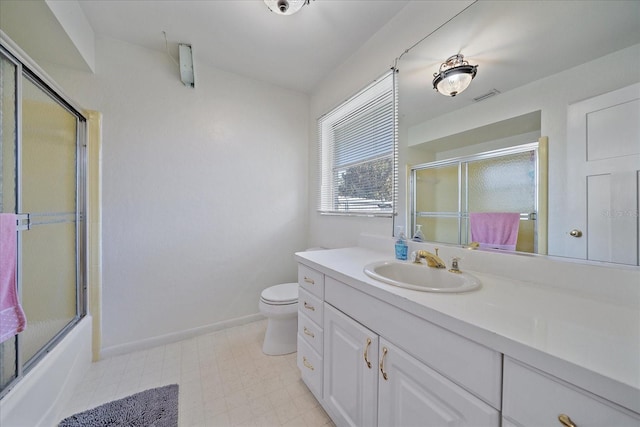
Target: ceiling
(513, 42)
(244, 37)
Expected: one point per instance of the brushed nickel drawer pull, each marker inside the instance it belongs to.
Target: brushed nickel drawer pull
(308, 332)
(306, 363)
(309, 280)
(565, 420)
(309, 306)
(366, 353)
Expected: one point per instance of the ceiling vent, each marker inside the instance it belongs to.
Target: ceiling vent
(492, 92)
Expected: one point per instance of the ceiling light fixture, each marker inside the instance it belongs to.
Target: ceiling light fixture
(285, 7)
(454, 76)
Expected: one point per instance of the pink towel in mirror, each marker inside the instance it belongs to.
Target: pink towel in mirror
(495, 230)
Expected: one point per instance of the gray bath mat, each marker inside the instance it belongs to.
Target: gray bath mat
(157, 407)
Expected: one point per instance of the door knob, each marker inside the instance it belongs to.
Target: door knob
(575, 233)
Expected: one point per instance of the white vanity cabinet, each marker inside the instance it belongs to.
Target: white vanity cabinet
(492, 358)
(389, 368)
(468, 364)
(533, 398)
(370, 381)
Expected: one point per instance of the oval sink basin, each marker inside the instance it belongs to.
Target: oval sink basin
(419, 277)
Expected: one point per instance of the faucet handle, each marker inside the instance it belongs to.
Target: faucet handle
(454, 265)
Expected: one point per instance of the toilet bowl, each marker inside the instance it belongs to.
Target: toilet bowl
(279, 304)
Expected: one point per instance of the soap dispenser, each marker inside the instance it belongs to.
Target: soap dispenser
(401, 245)
(418, 236)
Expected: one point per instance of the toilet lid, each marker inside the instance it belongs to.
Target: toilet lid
(287, 293)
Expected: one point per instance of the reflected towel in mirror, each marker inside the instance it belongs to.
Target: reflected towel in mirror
(495, 230)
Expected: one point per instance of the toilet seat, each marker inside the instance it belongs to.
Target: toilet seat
(284, 294)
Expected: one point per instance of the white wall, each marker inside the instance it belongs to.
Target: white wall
(204, 192)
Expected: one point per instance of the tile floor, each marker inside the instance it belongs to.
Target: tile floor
(224, 379)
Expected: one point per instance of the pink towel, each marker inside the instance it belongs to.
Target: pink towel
(12, 318)
(495, 230)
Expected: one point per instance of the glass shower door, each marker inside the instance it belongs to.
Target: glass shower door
(41, 180)
(8, 189)
(506, 184)
(48, 194)
(438, 208)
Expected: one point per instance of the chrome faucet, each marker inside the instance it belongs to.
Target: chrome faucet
(433, 260)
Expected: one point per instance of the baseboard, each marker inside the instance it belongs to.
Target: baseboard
(144, 344)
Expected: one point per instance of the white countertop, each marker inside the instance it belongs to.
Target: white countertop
(591, 342)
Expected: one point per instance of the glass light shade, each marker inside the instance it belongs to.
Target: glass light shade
(454, 76)
(454, 83)
(285, 7)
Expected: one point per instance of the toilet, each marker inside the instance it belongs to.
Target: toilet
(279, 304)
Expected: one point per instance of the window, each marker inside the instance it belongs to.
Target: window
(358, 153)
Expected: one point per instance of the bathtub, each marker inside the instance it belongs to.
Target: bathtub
(43, 393)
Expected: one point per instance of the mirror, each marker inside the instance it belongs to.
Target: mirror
(535, 60)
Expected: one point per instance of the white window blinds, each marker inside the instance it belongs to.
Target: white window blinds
(358, 153)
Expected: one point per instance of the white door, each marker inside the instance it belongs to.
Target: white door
(350, 371)
(412, 394)
(603, 152)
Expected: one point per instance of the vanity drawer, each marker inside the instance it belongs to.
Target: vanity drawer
(533, 398)
(310, 365)
(310, 331)
(311, 280)
(310, 306)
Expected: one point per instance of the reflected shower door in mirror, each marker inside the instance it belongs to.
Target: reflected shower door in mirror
(512, 181)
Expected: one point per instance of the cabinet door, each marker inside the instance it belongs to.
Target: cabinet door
(350, 370)
(412, 394)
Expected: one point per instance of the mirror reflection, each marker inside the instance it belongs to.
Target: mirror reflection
(538, 76)
(489, 199)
